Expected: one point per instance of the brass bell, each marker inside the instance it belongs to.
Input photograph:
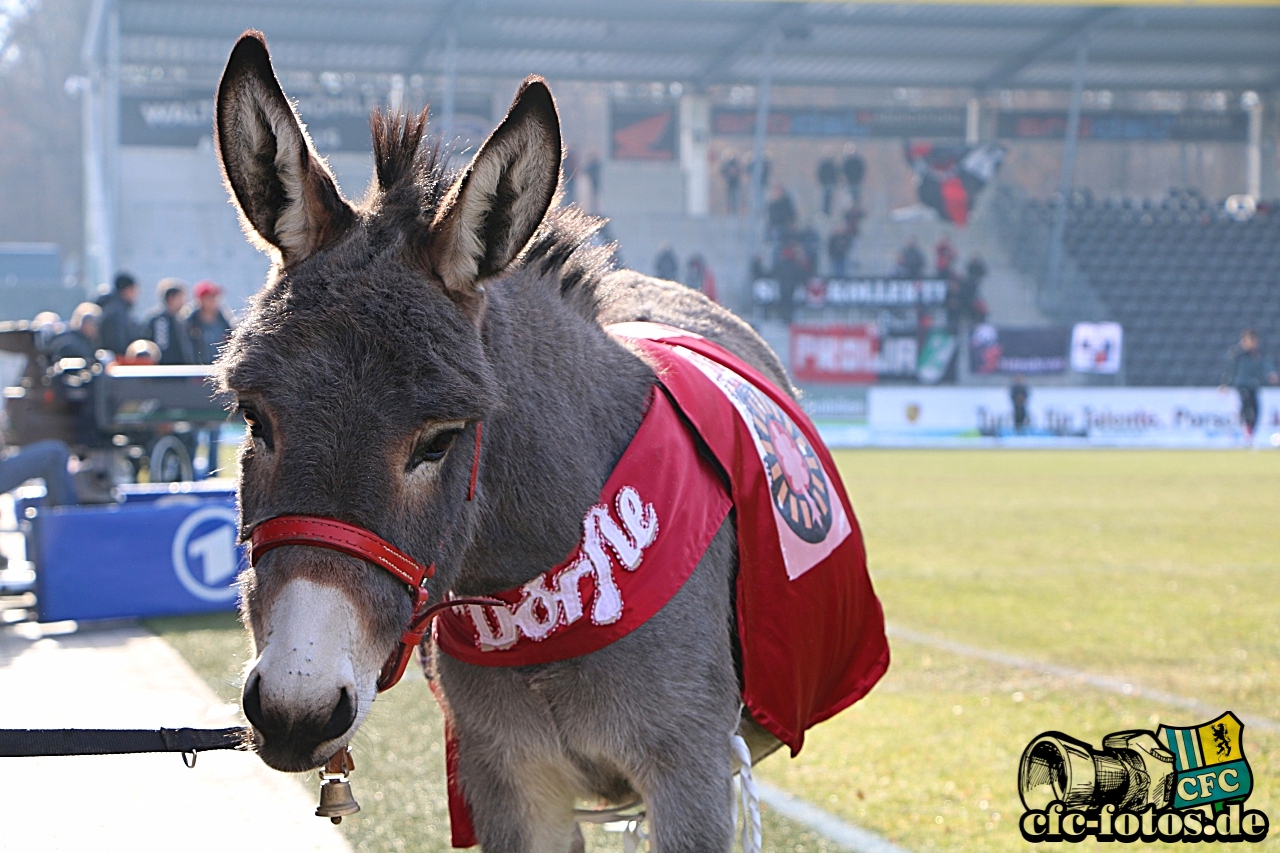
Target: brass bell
(336, 800)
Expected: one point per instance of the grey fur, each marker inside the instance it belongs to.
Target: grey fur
(343, 358)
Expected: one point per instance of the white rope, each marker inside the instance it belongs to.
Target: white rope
(752, 836)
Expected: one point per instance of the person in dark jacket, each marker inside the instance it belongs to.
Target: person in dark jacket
(165, 325)
(1247, 371)
(117, 328)
(911, 260)
(1019, 393)
(731, 171)
(839, 243)
(666, 265)
(828, 177)
(207, 324)
(781, 214)
(82, 336)
(855, 169)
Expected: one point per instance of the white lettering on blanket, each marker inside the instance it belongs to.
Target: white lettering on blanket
(554, 598)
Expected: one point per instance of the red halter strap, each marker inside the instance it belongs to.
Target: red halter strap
(338, 536)
(362, 544)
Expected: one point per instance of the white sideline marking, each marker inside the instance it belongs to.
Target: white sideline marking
(845, 834)
(1102, 682)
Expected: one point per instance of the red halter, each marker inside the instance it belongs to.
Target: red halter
(357, 542)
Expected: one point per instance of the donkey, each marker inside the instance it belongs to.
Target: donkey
(386, 332)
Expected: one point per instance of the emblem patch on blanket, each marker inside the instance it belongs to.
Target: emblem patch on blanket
(802, 501)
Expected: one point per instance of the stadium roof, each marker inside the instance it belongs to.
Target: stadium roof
(981, 47)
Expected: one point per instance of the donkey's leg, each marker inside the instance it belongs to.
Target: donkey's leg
(677, 696)
(522, 810)
(689, 802)
(518, 782)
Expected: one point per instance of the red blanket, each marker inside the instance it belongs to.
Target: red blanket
(809, 624)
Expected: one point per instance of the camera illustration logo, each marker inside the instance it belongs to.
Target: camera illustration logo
(205, 557)
(1175, 784)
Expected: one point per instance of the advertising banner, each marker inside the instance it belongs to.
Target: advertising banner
(1137, 417)
(336, 122)
(1096, 347)
(835, 353)
(643, 131)
(158, 558)
(876, 292)
(1031, 351)
(882, 122)
(857, 354)
(1121, 125)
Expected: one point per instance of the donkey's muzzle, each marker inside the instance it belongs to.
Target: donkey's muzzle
(289, 741)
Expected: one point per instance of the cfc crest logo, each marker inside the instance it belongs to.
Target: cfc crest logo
(1176, 784)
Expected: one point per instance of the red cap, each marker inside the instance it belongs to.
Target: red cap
(206, 288)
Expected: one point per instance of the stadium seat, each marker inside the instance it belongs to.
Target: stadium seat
(1175, 269)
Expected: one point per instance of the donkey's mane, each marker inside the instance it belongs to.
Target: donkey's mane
(412, 178)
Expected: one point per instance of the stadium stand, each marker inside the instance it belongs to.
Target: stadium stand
(1181, 274)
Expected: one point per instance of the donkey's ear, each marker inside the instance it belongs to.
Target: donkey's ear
(487, 217)
(285, 192)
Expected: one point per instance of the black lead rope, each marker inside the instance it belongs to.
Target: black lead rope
(27, 743)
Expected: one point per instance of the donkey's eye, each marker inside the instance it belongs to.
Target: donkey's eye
(257, 428)
(434, 448)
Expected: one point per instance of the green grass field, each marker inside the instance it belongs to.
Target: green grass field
(1162, 568)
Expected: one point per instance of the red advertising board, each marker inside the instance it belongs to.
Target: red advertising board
(845, 353)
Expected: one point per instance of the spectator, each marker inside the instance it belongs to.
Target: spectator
(81, 338)
(570, 170)
(140, 352)
(666, 265)
(781, 213)
(44, 460)
(838, 245)
(766, 168)
(1018, 395)
(944, 254)
(855, 168)
(594, 172)
(953, 304)
(911, 260)
(699, 276)
(207, 324)
(793, 270)
(828, 177)
(165, 325)
(1247, 371)
(731, 171)
(971, 302)
(117, 327)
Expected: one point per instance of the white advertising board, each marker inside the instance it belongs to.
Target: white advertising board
(1061, 417)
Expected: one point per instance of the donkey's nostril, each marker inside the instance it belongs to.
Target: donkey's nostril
(252, 702)
(344, 714)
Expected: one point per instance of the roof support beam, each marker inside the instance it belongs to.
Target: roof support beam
(440, 25)
(744, 42)
(1005, 72)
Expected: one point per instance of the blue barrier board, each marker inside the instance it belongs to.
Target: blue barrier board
(162, 558)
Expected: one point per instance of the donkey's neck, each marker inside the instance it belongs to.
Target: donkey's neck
(572, 399)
